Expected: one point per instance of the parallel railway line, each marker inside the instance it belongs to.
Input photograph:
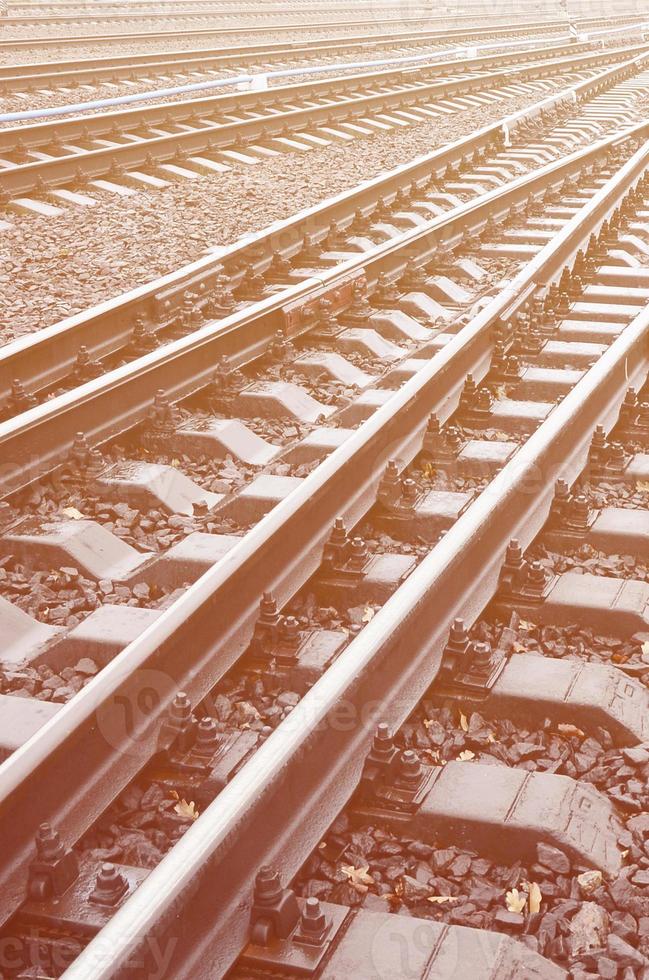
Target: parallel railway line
(35, 365)
(341, 31)
(215, 133)
(185, 65)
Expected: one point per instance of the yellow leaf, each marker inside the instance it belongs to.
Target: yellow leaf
(442, 899)
(491, 737)
(466, 756)
(623, 854)
(514, 901)
(368, 614)
(535, 895)
(642, 485)
(72, 512)
(464, 725)
(358, 877)
(185, 809)
(175, 463)
(570, 730)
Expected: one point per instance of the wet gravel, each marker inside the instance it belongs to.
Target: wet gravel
(67, 265)
(627, 495)
(595, 927)
(591, 924)
(573, 642)
(64, 596)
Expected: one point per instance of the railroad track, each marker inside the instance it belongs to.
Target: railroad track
(242, 36)
(186, 66)
(461, 368)
(116, 152)
(35, 367)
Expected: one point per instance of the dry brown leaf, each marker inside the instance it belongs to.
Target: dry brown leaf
(358, 877)
(464, 725)
(534, 894)
(566, 729)
(514, 901)
(368, 614)
(466, 756)
(72, 512)
(441, 899)
(185, 809)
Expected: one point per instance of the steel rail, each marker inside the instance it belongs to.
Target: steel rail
(260, 14)
(37, 441)
(416, 80)
(196, 903)
(11, 77)
(256, 17)
(24, 179)
(91, 126)
(488, 31)
(40, 359)
(218, 614)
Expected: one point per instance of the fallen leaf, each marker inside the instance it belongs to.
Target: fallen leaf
(514, 901)
(175, 463)
(185, 809)
(518, 647)
(358, 877)
(72, 512)
(645, 647)
(464, 725)
(466, 756)
(491, 737)
(368, 615)
(642, 485)
(624, 854)
(442, 899)
(535, 895)
(524, 625)
(570, 730)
